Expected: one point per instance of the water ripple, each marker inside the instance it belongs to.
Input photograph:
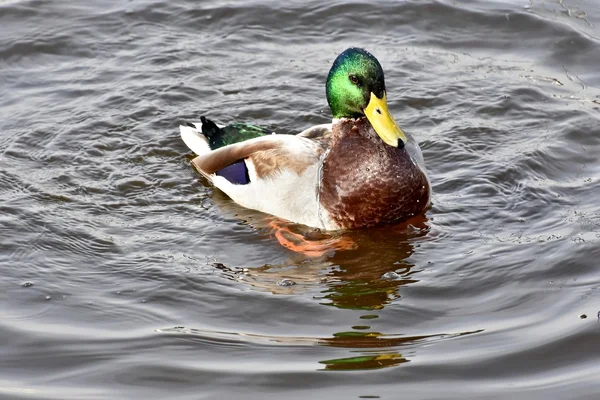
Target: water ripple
(119, 237)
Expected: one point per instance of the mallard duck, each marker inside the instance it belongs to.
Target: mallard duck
(360, 170)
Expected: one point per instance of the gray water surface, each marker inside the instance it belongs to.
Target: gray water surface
(122, 276)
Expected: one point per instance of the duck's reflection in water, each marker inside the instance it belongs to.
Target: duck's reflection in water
(360, 270)
(353, 269)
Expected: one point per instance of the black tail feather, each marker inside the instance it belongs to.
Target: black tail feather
(209, 128)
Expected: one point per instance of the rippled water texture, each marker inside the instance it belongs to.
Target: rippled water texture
(123, 276)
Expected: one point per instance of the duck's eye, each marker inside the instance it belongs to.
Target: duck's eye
(353, 79)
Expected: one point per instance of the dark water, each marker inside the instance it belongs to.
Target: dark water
(122, 276)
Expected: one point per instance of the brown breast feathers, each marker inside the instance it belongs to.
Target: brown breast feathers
(366, 182)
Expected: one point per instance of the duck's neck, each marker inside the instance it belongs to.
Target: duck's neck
(349, 128)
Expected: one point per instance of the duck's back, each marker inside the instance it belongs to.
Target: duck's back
(365, 182)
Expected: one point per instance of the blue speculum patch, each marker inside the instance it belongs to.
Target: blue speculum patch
(236, 173)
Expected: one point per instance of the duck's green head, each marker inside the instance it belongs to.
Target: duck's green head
(356, 88)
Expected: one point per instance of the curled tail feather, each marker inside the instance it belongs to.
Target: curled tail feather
(200, 135)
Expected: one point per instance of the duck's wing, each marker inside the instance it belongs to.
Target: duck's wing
(276, 174)
(265, 155)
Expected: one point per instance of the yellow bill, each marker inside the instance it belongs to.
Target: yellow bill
(379, 116)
